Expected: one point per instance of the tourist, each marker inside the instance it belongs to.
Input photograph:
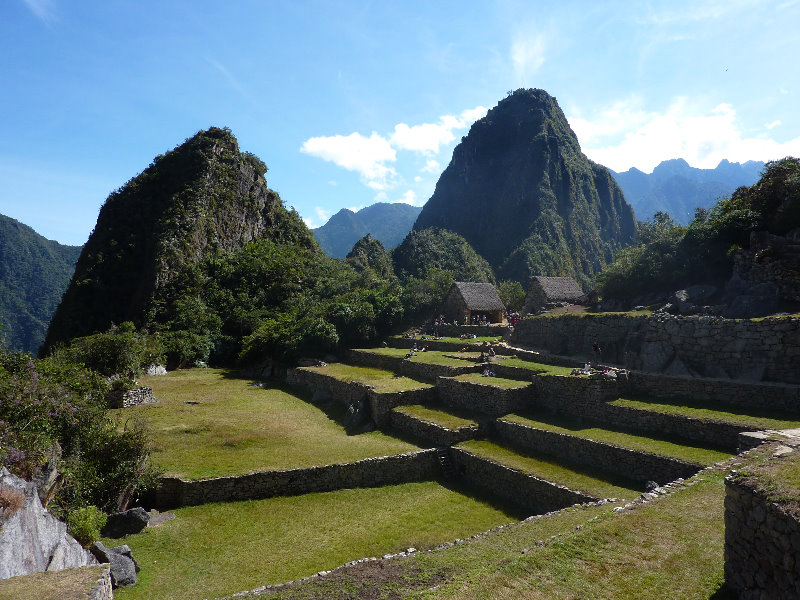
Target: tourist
(597, 352)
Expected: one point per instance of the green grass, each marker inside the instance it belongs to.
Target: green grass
(557, 424)
(236, 428)
(539, 368)
(553, 471)
(380, 379)
(219, 549)
(443, 417)
(738, 416)
(500, 382)
(435, 357)
(67, 584)
(452, 340)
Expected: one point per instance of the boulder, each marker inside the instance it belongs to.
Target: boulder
(123, 566)
(156, 370)
(700, 293)
(47, 478)
(126, 522)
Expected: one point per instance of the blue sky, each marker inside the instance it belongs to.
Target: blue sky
(351, 102)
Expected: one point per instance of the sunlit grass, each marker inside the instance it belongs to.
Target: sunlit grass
(443, 417)
(219, 549)
(235, 428)
(380, 379)
(435, 357)
(52, 585)
(501, 382)
(539, 368)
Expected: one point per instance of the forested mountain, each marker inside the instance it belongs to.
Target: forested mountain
(525, 197)
(433, 248)
(203, 198)
(676, 188)
(388, 223)
(34, 272)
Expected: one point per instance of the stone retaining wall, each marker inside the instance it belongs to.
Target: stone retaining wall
(102, 589)
(762, 546)
(486, 399)
(707, 346)
(623, 462)
(408, 367)
(435, 434)
(574, 395)
(479, 330)
(765, 396)
(124, 399)
(521, 489)
(371, 472)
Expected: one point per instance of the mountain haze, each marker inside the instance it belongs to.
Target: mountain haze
(34, 272)
(525, 197)
(677, 188)
(387, 223)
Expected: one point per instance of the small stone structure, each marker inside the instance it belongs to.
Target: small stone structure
(762, 528)
(134, 397)
(467, 301)
(545, 290)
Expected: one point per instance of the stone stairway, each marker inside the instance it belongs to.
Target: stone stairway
(443, 456)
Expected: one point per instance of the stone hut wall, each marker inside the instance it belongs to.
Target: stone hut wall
(708, 346)
(371, 472)
(762, 546)
(630, 464)
(521, 489)
(485, 399)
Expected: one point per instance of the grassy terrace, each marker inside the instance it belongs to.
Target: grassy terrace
(380, 379)
(67, 584)
(739, 416)
(557, 424)
(450, 419)
(540, 368)
(219, 549)
(452, 340)
(552, 471)
(235, 428)
(448, 359)
(500, 382)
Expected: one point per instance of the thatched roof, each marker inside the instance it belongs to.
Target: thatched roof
(479, 296)
(557, 289)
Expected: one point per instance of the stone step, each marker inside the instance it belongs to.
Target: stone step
(597, 447)
(448, 471)
(435, 425)
(587, 482)
(425, 366)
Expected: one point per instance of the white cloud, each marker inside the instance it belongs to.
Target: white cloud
(527, 56)
(365, 155)
(409, 198)
(417, 179)
(625, 136)
(427, 138)
(322, 214)
(431, 166)
(772, 125)
(45, 10)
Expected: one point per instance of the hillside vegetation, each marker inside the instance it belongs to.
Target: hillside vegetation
(34, 272)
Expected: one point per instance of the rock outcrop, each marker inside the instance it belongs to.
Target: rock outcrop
(525, 197)
(31, 539)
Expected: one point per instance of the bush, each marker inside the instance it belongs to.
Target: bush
(84, 524)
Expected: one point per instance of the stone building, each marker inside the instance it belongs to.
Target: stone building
(473, 301)
(546, 290)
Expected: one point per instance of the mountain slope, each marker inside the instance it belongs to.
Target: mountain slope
(522, 193)
(34, 272)
(387, 223)
(203, 198)
(677, 188)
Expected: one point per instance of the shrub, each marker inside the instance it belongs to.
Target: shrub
(84, 524)
(11, 500)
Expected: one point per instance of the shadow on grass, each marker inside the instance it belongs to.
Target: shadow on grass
(512, 510)
(723, 593)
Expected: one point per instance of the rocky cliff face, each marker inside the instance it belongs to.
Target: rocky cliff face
(203, 197)
(522, 193)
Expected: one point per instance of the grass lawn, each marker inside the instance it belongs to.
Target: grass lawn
(219, 549)
(557, 424)
(448, 359)
(380, 379)
(553, 471)
(739, 416)
(541, 368)
(236, 428)
(67, 584)
(500, 382)
(452, 340)
(443, 417)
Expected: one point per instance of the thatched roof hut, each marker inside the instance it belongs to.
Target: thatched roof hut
(468, 301)
(543, 290)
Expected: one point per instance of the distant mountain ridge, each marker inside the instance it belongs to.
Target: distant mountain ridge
(388, 223)
(677, 188)
(525, 197)
(34, 272)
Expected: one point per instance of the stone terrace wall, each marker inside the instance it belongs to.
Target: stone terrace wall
(136, 396)
(769, 396)
(408, 367)
(709, 346)
(485, 399)
(762, 546)
(629, 464)
(422, 465)
(527, 491)
(479, 330)
(574, 395)
(433, 433)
